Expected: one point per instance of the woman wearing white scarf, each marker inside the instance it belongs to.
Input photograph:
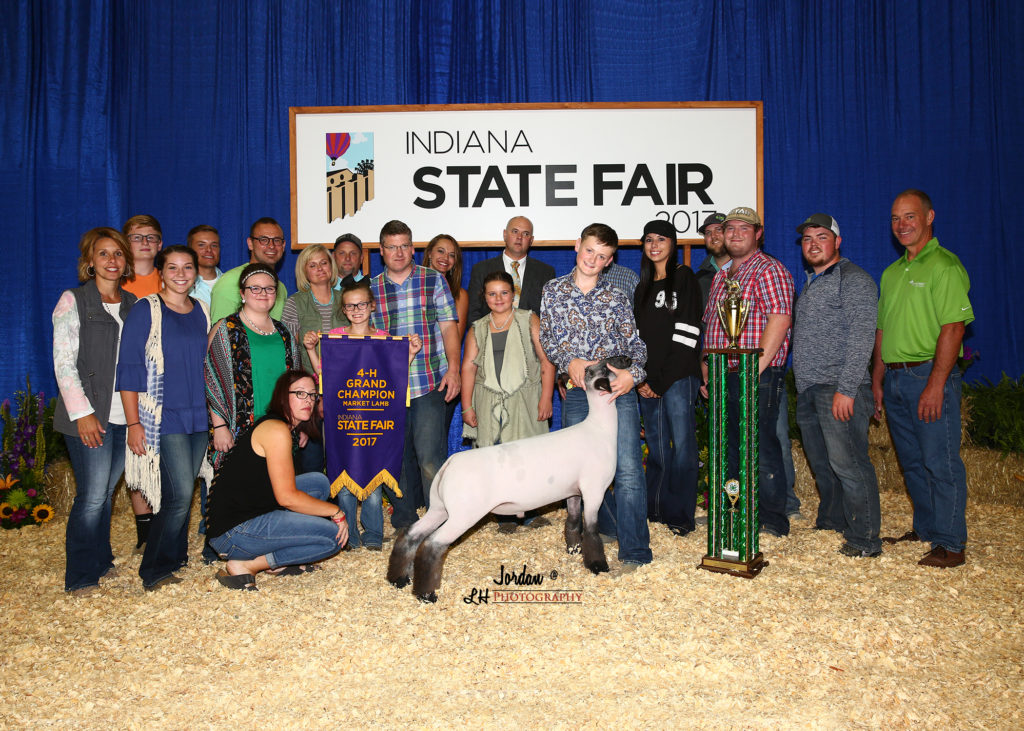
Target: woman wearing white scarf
(160, 377)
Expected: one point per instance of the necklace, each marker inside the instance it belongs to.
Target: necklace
(252, 326)
(322, 304)
(507, 321)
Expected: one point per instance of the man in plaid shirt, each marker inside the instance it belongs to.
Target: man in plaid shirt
(414, 299)
(768, 286)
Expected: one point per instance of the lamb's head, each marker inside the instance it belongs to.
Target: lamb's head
(599, 376)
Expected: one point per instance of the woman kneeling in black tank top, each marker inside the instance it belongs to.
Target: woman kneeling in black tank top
(261, 516)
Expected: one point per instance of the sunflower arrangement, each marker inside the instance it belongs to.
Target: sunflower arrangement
(23, 461)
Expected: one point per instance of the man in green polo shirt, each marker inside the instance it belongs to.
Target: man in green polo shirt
(266, 245)
(922, 313)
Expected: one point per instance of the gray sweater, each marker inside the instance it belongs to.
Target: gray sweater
(834, 329)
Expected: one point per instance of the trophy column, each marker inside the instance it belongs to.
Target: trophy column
(733, 521)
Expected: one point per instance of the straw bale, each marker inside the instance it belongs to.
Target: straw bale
(816, 641)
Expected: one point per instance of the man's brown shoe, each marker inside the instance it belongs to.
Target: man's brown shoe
(910, 535)
(941, 558)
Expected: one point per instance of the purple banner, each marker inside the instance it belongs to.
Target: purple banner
(365, 382)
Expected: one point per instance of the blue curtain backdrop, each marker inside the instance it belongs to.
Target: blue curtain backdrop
(180, 109)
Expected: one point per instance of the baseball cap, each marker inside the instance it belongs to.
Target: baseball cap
(661, 227)
(747, 215)
(349, 237)
(711, 220)
(819, 219)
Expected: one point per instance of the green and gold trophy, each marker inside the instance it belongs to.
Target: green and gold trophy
(733, 521)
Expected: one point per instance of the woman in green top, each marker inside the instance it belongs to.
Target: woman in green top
(313, 307)
(248, 353)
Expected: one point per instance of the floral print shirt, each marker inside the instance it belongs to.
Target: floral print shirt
(591, 326)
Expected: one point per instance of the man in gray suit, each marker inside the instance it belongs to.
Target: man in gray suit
(528, 274)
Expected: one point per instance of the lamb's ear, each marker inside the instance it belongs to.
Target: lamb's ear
(603, 384)
(621, 362)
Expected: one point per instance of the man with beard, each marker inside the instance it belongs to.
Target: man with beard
(768, 286)
(713, 231)
(348, 256)
(833, 335)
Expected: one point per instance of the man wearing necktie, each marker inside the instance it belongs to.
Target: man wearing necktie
(529, 275)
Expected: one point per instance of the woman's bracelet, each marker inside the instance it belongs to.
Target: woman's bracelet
(218, 426)
(134, 423)
(339, 516)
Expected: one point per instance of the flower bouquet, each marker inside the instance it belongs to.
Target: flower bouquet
(23, 461)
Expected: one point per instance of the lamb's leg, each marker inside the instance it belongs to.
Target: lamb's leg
(427, 575)
(593, 548)
(432, 551)
(400, 563)
(573, 524)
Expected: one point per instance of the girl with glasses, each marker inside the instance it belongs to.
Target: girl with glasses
(358, 304)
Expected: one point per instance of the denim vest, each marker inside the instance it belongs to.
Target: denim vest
(97, 354)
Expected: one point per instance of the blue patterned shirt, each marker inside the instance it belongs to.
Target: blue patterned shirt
(590, 326)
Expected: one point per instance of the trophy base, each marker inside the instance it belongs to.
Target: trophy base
(746, 569)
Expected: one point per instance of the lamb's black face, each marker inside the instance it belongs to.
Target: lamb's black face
(599, 376)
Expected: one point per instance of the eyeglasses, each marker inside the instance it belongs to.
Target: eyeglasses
(266, 242)
(305, 395)
(272, 289)
(148, 238)
(354, 306)
(400, 247)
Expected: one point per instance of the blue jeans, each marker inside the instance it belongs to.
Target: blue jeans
(670, 429)
(426, 448)
(286, 538)
(929, 454)
(310, 458)
(372, 518)
(167, 546)
(771, 470)
(87, 542)
(837, 453)
(782, 429)
(623, 512)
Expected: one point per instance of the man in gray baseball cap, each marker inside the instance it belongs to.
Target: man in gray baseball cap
(833, 337)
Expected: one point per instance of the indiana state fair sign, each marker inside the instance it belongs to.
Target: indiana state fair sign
(466, 170)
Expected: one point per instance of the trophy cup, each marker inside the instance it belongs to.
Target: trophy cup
(733, 521)
(732, 312)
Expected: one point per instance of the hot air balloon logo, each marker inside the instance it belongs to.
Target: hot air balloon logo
(337, 144)
(350, 174)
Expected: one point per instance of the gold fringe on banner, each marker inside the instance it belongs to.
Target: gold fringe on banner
(381, 478)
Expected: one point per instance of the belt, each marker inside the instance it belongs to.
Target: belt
(907, 364)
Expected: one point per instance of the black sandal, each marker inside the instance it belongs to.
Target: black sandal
(294, 570)
(243, 582)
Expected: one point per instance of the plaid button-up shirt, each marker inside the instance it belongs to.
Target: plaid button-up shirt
(768, 286)
(418, 305)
